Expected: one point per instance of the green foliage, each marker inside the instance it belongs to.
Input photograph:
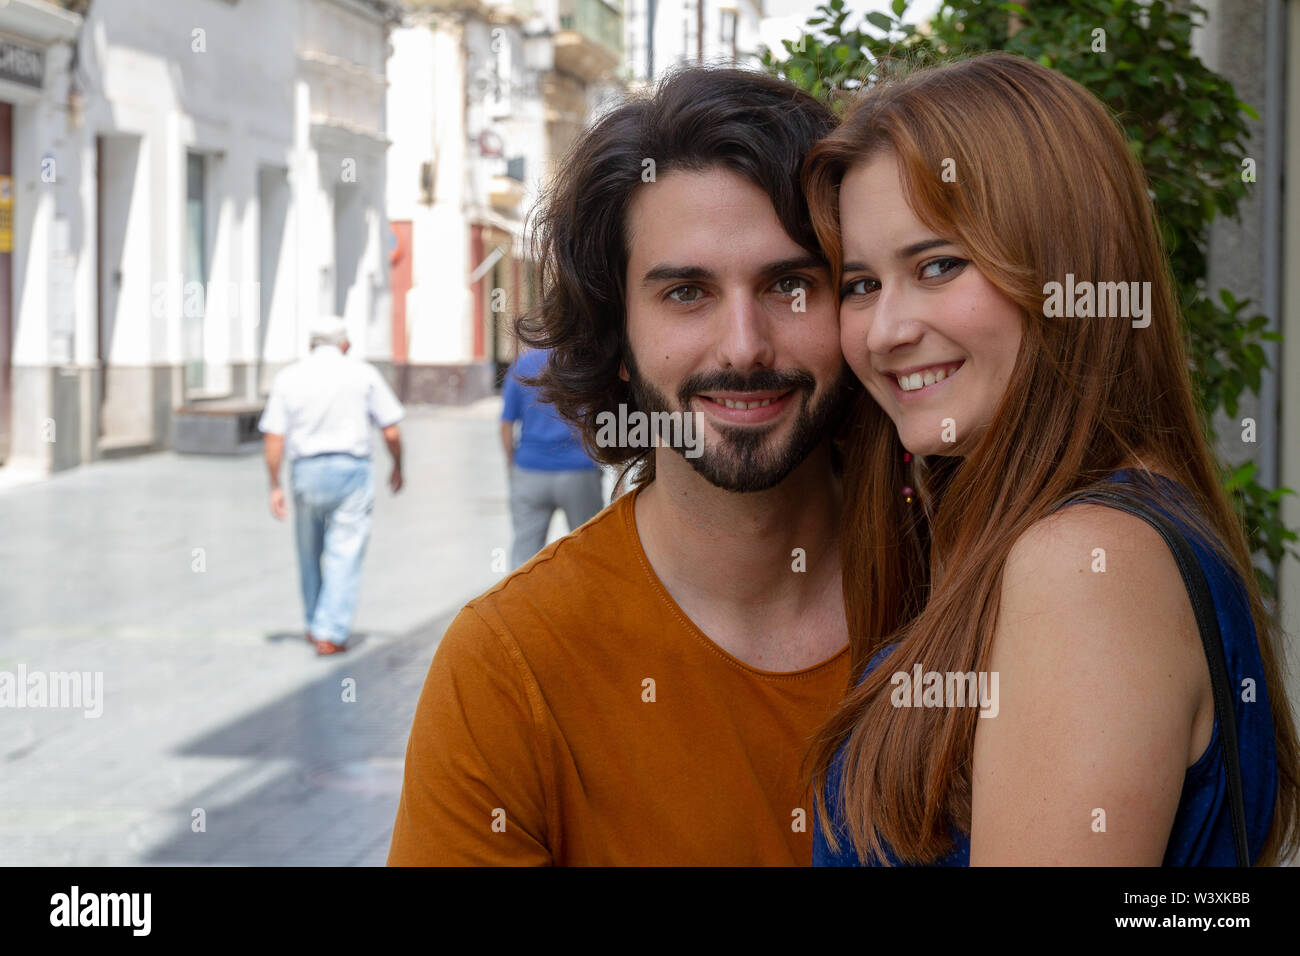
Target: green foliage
(1183, 122)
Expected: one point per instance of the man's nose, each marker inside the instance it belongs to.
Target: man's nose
(745, 337)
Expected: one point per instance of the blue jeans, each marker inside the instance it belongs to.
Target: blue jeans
(333, 496)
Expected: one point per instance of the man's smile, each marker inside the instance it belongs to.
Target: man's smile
(746, 408)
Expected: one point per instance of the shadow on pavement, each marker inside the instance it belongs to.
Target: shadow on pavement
(334, 797)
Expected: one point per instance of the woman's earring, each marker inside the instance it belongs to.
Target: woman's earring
(908, 490)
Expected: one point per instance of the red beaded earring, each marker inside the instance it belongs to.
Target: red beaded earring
(908, 490)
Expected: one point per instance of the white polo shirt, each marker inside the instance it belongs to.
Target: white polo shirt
(326, 402)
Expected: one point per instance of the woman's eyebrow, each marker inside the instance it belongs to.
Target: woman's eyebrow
(918, 247)
(906, 252)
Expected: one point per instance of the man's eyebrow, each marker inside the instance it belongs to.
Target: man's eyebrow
(906, 252)
(666, 271)
(793, 264)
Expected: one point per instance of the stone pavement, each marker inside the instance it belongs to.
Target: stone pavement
(168, 574)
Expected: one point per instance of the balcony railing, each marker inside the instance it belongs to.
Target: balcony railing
(597, 21)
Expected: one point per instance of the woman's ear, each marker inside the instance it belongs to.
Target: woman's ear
(622, 372)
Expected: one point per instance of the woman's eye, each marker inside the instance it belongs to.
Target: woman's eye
(685, 288)
(859, 287)
(937, 268)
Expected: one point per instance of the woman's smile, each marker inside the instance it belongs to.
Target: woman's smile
(921, 381)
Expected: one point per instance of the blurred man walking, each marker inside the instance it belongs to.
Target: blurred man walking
(321, 408)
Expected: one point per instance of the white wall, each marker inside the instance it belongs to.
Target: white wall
(185, 76)
(426, 99)
(440, 103)
(224, 81)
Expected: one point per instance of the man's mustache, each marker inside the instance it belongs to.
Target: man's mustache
(763, 380)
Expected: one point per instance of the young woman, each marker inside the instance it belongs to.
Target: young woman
(952, 199)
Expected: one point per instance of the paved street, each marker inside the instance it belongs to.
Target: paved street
(168, 574)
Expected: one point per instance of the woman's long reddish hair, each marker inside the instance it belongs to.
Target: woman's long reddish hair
(1044, 186)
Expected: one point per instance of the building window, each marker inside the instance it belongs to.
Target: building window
(196, 271)
(729, 18)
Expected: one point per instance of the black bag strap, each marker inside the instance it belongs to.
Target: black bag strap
(1198, 589)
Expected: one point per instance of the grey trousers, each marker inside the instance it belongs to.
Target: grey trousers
(534, 496)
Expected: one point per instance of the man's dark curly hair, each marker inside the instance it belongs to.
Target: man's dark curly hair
(699, 118)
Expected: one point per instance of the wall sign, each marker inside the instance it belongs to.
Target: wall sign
(22, 64)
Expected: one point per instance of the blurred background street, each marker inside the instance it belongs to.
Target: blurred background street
(213, 700)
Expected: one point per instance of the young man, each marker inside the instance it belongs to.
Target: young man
(643, 691)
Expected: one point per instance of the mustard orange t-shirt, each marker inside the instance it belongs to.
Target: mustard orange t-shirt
(573, 714)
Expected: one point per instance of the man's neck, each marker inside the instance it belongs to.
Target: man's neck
(757, 572)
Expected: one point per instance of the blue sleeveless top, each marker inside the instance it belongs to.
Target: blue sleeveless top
(1202, 829)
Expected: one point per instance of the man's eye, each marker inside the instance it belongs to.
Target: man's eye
(937, 268)
(689, 298)
(784, 287)
(859, 287)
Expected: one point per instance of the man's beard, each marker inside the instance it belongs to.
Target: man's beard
(737, 459)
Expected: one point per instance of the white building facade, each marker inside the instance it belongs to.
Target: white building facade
(661, 34)
(36, 50)
(490, 93)
(195, 183)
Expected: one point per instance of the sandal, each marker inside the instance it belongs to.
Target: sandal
(329, 647)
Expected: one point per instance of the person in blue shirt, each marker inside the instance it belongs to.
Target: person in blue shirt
(548, 467)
